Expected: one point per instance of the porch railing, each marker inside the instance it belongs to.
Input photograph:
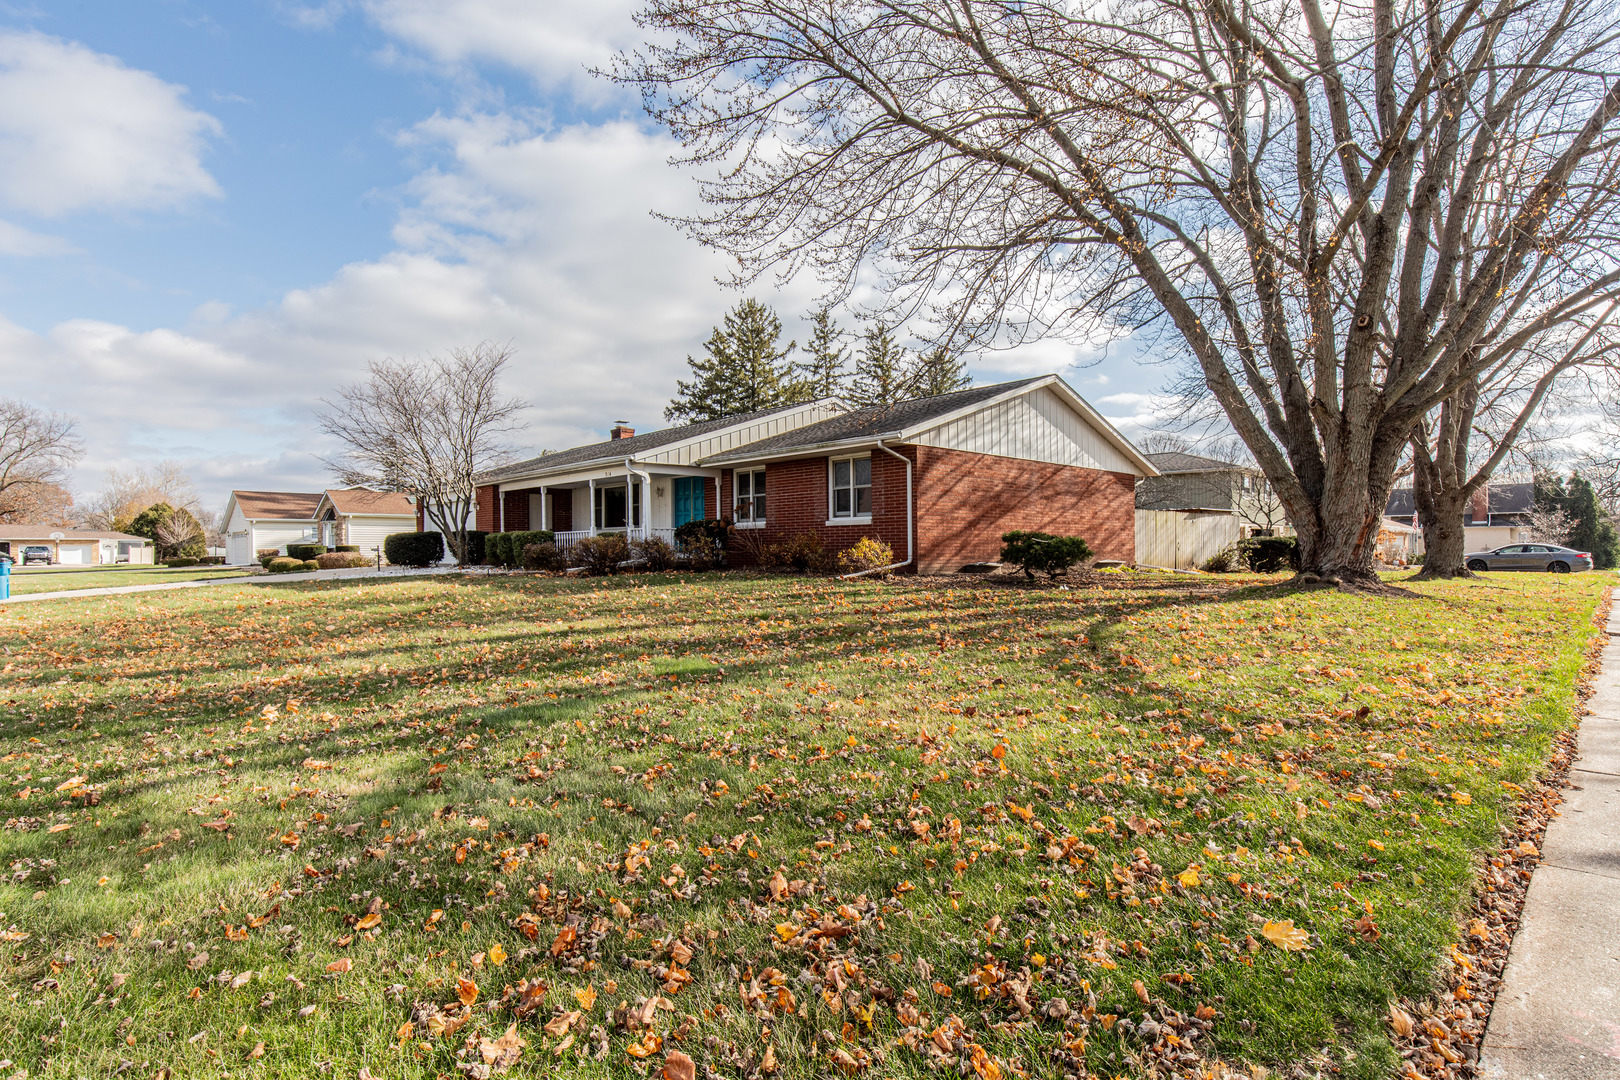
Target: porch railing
(567, 539)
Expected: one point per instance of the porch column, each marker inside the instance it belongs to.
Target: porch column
(591, 506)
(500, 509)
(545, 508)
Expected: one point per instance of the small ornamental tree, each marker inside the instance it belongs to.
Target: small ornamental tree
(1034, 552)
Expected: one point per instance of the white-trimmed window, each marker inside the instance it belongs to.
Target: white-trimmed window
(748, 496)
(617, 507)
(851, 483)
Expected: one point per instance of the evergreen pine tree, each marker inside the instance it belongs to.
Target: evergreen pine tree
(938, 371)
(745, 369)
(882, 376)
(1593, 531)
(824, 372)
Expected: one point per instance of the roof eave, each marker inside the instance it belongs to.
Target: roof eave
(731, 457)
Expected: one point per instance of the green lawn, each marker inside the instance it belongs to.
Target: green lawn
(37, 579)
(784, 826)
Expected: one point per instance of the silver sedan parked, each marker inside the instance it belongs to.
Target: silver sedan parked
(1549, 557)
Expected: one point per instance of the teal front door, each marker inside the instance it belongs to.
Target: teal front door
(688, 499)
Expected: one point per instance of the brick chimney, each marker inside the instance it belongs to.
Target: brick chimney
(620, 430)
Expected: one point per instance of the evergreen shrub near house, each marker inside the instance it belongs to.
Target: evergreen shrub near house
(506, 548)
(282, 564)
(341, 560)
(475, 547)
(1270, 554)
(1043, 553)
(543, 557)
(717, 530)
(181, 561)
(211, 560)
(347, 547)
(305, 552)
(701, 553)
(415, 548)
(600, 555)
(1228, 560)
(269, 557)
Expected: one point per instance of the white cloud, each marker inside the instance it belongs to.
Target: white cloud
(19, 242)
(80, 130)
(555, 44)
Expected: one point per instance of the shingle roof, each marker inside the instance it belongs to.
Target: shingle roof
(617, 449)
(1175, 461)
(43, 532)
(869, 423)
(278, 505)
(1504, 499)
(1400, 504)
(366, 501)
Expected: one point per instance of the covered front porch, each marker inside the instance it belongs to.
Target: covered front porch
(637, 502)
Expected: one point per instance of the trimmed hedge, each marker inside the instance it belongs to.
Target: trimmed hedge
(181, 561)
(212, 560)
(543, 557)
(284, 565)
(305, 552)
(506, 548)
(354, 548)
(341, 560)
(475, 547)
(413, 548)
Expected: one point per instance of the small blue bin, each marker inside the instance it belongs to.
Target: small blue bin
(5, 578)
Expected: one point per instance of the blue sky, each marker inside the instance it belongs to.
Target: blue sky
(211, 215)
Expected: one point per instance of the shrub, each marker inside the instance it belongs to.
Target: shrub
(867, 554)
(283, 565)
(413, 548)
(266, 553)
(305, 552)
(600, 555)
(719, 530)
(475, 547)
(267, 559)
(1270, 554)
(353, 548)
(656, 552)
(212, 560)
(506, 548)
(181, 561)
(543, 557)
(794, 554)
(702, 553)
(1228, 560)
(310, 564)
(341, 560)
(1034, 552)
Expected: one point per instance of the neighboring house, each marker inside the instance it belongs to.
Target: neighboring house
(263, 520)
(1192, 482)
(939, 479)
(363, 517)
(1498, 514)
(76, 547)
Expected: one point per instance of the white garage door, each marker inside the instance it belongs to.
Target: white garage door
(74, 555)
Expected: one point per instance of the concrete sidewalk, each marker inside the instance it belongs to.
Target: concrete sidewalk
(367, 572)
(1557, 1016)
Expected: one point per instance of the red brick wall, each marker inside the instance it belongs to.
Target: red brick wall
(796, 503)
(484, 516)
(517, 510)
(966, 501)
(562, 509)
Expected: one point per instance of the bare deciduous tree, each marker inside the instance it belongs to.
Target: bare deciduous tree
(1342, 216)
(37, 504)
(37, 451)
(124, 495)
(427, 428)
(1483, 422)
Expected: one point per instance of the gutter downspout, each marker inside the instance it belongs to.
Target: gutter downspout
(911, 525)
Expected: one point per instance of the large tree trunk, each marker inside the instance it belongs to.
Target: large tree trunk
(1444, 542)
(1441, 486)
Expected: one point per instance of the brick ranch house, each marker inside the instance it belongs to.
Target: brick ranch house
(939, 479)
